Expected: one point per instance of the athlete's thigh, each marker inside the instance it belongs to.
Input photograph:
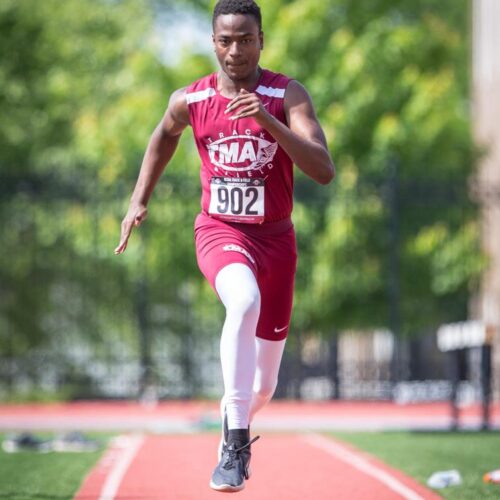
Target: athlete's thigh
(219, 245)
(276, 288)
(237, 287)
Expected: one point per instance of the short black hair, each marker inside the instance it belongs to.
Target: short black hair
(224, 7)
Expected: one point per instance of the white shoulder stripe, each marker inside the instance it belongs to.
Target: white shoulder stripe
(201, 95)
(271, 91)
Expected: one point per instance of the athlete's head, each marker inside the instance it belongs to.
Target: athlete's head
(245, 7)
(238, 37)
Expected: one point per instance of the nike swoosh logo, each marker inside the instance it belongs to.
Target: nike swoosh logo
(278, 330)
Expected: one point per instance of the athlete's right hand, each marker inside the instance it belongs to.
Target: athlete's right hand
(135, 215)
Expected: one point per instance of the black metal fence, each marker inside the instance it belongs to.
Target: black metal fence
(329, 376)
(90, 332)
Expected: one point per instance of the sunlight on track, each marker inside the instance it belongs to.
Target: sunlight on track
(357, 461)
(129, 446)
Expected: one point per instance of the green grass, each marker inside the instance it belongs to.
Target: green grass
(29, 475)
(57, 476)
(419, 454)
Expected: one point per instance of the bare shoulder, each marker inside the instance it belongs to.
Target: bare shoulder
(176, 117)
(178, 107)
(300, 113)
(299, 108)
(296, 94)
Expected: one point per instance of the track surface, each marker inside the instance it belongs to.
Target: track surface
(193, 416)
(288, 466)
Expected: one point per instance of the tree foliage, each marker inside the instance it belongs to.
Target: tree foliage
(82, 86)
(390, 84)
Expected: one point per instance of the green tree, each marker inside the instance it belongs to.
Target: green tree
(82, 85)
(390, 84)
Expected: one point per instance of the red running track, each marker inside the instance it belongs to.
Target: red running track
(189, 416)
(287, 466)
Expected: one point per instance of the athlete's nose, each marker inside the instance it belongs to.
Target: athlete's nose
(234, 49)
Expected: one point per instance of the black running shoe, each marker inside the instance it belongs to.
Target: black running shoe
(232, 470)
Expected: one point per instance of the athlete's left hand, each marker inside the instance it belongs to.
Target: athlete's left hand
(247, 104)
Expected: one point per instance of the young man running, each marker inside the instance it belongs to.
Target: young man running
(250, 126)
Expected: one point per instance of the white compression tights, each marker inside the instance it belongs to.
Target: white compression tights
(250, 365)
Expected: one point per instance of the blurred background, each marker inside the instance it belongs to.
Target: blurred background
(405, 240)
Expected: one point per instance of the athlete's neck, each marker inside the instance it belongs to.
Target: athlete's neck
(231, 88)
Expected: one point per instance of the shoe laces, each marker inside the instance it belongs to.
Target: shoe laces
(233, 454)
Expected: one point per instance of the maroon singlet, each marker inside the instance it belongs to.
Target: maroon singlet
(247, 197)
(245, 175)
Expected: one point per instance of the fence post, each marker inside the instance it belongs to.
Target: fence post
(486, 385)
(333, 366)
(142, 311)
(392, 199)
(454, 367)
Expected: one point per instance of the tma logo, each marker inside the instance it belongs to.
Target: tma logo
(242, 153)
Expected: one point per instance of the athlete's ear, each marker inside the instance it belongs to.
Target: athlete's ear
(261, 40)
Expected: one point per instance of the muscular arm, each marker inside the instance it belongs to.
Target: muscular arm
(161, 146)
(159, 151)
(303, 139)
(306, 144)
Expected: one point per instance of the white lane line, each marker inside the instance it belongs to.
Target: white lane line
(360, 463)
(130, 446)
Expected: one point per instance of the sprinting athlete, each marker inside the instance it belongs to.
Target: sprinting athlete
(250, 126)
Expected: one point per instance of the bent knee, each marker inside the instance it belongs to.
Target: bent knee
(265, 392)
(244, 302)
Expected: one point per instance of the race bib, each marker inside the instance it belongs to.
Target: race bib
(237, 199)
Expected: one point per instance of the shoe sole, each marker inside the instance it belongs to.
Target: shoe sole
(227, 487)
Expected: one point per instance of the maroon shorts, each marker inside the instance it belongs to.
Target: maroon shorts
(270, 252)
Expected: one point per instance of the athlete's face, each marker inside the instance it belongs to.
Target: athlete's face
(238, 42)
